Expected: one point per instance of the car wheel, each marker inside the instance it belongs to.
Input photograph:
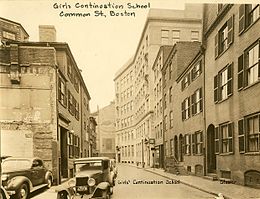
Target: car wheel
(22, 192)
(49, 182)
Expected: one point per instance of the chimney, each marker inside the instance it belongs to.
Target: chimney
(47, 33)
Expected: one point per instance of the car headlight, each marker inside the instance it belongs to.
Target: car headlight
(4, 177)
(91, 182)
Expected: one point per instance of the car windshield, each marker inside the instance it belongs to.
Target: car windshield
(15, 165)
(91, 165)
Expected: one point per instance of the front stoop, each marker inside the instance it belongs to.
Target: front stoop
(211, 176)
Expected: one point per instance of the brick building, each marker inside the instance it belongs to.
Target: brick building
(44, 101)
(162, 27)
(232, 92)
(182, 107)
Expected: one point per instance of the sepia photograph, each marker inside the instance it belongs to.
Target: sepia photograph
(129, 99)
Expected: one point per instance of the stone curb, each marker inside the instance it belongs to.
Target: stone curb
(182, 182)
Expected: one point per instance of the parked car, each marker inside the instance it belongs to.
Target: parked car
(3, 193)
(92, 179)
(21, 176)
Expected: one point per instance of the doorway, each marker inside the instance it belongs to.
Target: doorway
(181, 145)
(211, 156)
(64, 152)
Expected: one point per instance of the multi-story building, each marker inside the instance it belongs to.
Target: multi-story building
(162, 27)
(232, 91)
(158, 104)
(42, 91)
(124, 113)
(182, 107)
(10, 30)
(105, 130)
(92, 137)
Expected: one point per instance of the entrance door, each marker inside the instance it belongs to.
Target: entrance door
(181, 145)
(211, 156)
(176, 147)
(64, 153)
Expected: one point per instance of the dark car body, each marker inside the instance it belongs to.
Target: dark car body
(3, 193)
(20, 176)
(92, 179)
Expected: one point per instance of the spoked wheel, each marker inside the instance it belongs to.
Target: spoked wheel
(23, 192)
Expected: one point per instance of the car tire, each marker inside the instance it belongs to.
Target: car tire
(22, 192)
(49, 182)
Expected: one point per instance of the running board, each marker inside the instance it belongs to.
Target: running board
(38, 187)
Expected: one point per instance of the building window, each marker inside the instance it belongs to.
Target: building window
(196, 102)
(253, 133)
(187, 144)
(165, 37)
(165, 123)
(62, 92)
(171, 119)
(170, 94)
(185, 81)
(196, 71)
(186, 109)
(248, 14)
(252, 61)
(175, 36)
(196, 142)
(165, 101)
(216, 137)
(249, 67)
(226, 135)
(194, 35)
(171, 147)
(70, 103)
(223, 84)
(69, 69)
(224, 37)
(8, 35)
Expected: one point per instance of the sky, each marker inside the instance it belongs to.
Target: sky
(100, 45)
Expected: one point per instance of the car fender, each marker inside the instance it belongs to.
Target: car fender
(17, 181)
(103, 185)
(47, 175)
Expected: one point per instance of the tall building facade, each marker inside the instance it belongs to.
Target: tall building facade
(44, 100)
(162, 27)
(232, 91)
(105, 130)
(124, 113)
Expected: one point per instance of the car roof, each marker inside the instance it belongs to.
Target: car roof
(91, 159)
(22, 158)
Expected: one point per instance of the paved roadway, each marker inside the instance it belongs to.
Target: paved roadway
(130, 185)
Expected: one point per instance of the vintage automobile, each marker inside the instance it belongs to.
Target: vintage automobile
(3, 193)
(92, 179)
(21, 176)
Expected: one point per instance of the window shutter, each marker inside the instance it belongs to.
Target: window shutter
(240, 74)
(188, 78)
(216, 89)
(230, 80)
(231, 134)
(193, 103)
(216, 45)
(189, 107)
(230, 24)
(182, 110)
(201, 100)
(182, 84)
(216, 140)
(59, 86)
(193, 144)
(192, 74)
(189, 144)
(241, 18)
(241, 136)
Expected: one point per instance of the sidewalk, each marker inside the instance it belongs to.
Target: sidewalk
(230, 191)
